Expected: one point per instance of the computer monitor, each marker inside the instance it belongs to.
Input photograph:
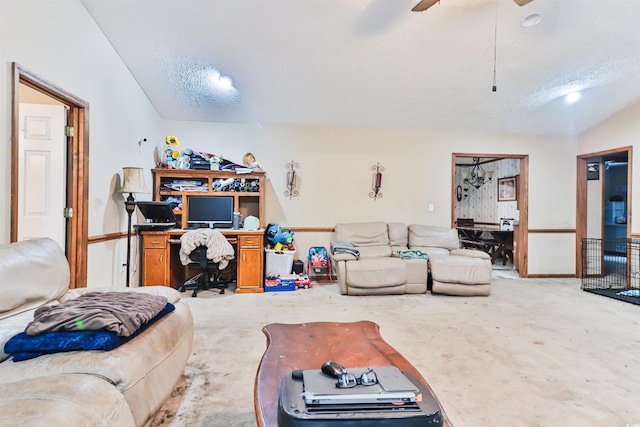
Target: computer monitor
(212, 211)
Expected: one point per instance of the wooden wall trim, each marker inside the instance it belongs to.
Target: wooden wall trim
(550, 276)
(111, 236)
(311, 229)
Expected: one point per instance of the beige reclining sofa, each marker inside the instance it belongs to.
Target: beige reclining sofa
(376, 270)
(122, 387)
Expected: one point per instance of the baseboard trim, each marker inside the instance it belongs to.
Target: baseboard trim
(550, 276)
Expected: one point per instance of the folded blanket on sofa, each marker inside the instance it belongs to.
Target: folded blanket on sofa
(119, 312)
(411, 254)
(23, 346)
(344, 248)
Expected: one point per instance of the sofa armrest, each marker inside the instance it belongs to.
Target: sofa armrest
(342, 257)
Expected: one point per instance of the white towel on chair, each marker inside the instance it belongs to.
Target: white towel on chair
(218, 248)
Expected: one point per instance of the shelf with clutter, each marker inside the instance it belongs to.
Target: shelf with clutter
(182, 174)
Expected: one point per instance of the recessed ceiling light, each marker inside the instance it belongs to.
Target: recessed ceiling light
(572, 97)
(531, 20)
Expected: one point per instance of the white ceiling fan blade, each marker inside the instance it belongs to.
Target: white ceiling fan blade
(522, 2)
(426, 4)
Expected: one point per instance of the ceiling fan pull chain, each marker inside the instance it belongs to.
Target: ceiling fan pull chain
(495, 48)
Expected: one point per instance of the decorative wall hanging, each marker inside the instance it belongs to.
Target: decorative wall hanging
(593, 171)
(507, 189)
(376, 182)
(477, 176)
(459, 193)
(291, 179)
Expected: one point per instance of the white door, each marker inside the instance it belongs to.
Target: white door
(42, 172)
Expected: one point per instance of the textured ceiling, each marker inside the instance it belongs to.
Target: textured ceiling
(376, 64)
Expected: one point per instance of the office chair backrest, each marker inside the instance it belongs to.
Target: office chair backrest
(199, 256)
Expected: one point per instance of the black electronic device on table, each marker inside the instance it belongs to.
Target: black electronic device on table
(158, 215)
(312, 398)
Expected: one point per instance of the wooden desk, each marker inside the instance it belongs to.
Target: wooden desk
(503, 239)
(160, 260)
(308, 346)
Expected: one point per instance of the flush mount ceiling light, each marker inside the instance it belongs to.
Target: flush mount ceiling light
(531, 20)
(572, 97)
(220, 81)
(226, 82)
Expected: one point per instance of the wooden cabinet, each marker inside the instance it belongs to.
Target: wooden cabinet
(160, 249)
(155, 262)
(176, 186)
(250, 264)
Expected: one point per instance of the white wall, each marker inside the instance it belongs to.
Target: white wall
(59, 41)
(335, 175)
(620, 130)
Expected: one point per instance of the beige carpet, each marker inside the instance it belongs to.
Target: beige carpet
(534, 353)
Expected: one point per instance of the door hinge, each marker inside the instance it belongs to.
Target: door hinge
(68, 130)
(68, 212)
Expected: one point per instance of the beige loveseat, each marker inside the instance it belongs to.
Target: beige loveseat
(122, 387)
(377, 271)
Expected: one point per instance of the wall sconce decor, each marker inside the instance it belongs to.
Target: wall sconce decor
(477, 177)
(291, 179)
(459, 193)
(132, 182)
(376, 182)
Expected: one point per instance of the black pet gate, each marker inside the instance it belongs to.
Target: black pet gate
(611, 267)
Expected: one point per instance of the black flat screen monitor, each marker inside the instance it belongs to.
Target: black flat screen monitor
(212, 211)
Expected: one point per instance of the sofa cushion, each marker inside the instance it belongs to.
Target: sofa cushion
(472, 253)
(376, 272)
(45, 279)
(433, 236)
(363, 233)
(461, 270)
(398, 234)
(374, 251)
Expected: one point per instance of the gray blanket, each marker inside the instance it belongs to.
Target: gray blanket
(119, 312)
(344, 248)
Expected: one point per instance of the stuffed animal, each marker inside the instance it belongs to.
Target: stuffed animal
(279, 238)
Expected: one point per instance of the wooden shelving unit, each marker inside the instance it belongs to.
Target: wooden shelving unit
(247, 199)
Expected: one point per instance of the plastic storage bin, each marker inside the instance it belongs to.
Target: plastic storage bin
(278, 263)
(283, 283)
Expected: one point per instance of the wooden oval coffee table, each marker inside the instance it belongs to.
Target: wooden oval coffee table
(308, 346)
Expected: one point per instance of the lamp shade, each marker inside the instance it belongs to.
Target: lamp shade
(133, 181)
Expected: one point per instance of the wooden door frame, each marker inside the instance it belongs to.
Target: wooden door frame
(77, 168)
(581, 196)
(521, 236)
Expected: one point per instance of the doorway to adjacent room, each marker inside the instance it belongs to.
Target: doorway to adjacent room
(490, 205)
(71, 164)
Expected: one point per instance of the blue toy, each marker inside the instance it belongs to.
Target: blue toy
(278, 237)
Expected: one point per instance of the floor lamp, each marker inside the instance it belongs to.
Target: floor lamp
(132, 182)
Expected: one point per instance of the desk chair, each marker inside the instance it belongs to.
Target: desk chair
(204, 280)
(193, 253)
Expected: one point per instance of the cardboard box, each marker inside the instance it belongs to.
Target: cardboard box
(282, 283)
